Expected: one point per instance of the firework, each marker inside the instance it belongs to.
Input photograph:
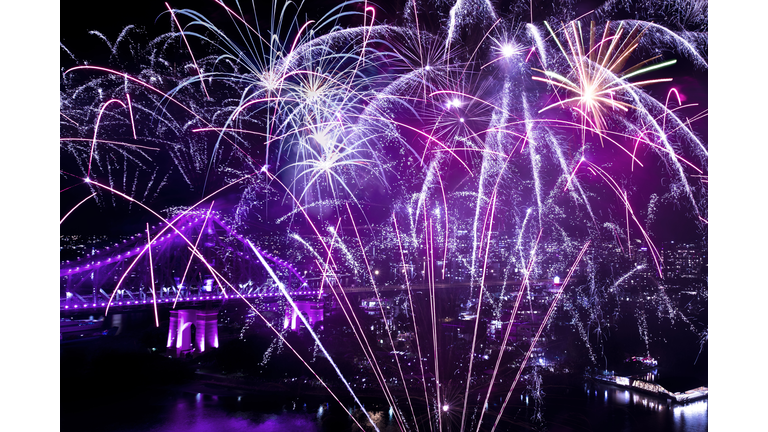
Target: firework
(458, 142)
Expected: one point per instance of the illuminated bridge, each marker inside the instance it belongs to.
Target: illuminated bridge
(195, 263)
(195, 257)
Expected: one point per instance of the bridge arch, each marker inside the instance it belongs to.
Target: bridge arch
(222, 257)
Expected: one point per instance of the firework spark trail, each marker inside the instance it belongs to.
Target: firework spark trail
(366, 36)
(130, 111)
(642, 327)
(539, 42)
(152, 276)
(488, 169)
(535, 158)
(432, 282)
(573, 173)
(421, 55)
(421, 203)
(375, 367)
(445, 212)
(687, 45)
(666, 103)
(156, 90)
(475, 244)
(74, 122)
(348, 254)
(492, 207)
(674, 311)
(167, 223)
(538, 333)
(359, 87)
(110, 142)
(564, 167)
(489, 222)
(489, 214)
(626, 212)
(183, 36)
(571, 125)
(328, 251)
(523, 284)
(451, 27)
(413, 316)
(623, 278)
(580, 327)
(612, 183)
(312, 332)
(76, 206)
(326, 269)
(671, 151)
(488, 245)
(184, 277)
(428, 274)
(520, 236)
(383, 315)
(358, 331)
(279, 335)
(426, 185)
(615, 231)
(96, 129)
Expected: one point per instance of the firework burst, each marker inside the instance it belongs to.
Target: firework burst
(464, 145)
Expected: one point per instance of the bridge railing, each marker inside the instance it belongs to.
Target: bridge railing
(79, 303)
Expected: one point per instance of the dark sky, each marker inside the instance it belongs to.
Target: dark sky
(151, 17)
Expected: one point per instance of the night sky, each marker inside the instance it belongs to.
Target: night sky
(114, 218)
(30, 37)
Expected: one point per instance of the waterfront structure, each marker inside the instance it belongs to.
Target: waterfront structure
(653, 388)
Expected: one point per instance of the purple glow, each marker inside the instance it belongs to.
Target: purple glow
(522, 125)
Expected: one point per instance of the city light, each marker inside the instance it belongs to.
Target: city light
(389, 198)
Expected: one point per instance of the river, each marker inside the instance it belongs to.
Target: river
(589, 407)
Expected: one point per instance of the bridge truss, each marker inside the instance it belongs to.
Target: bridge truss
(195, 257)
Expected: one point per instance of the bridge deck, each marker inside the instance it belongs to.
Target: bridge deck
(77, 304)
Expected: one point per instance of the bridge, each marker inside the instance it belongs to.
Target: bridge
(195, 263)
(195, 257)
(138, 299)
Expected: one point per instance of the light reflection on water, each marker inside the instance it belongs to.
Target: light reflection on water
(203, 420)
(691, 417)
(198, 412)
(204, 413)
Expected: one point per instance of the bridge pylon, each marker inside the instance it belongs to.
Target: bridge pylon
(192, 331)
